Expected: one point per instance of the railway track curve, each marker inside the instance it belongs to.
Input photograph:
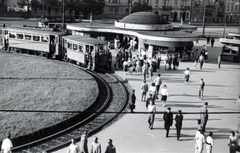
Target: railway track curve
(112, 100)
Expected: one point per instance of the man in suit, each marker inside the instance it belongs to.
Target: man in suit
(168, 120)
(204, 116)
(179, 119)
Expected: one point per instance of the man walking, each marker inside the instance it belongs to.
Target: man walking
(201, 61)
(96, 146)
(73, 148)
(204, 116)
(209, 142)
(158, 82)
(150, 98)
(7, 144)
(83, 143)
(179, 119)
(219, 61)
(144, 90)
(199, 141)
(133, 100)
(110, 148)
(168, 120)
(201, 88)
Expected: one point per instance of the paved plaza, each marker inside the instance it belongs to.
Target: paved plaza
(130, 134)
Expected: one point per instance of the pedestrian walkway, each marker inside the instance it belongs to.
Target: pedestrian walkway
(131, 134)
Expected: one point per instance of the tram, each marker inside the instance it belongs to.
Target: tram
(36, 41)
(86, 51)
(82, 50)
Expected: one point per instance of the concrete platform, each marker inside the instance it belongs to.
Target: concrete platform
(131, 134)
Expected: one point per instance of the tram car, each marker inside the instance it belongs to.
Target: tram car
(82, 50)
(37, 41)
(86, 51)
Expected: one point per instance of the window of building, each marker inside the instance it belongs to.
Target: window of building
(127, 10)
(114, 1)
(116, 10)
(156, 3)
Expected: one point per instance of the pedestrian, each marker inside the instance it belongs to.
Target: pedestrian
(73, 148)
(170, 62)
(199, 140)
(150, 98)
(201, 61)
(96, 146)
(201, 88)
(164, 94)
(144, 71)
(153, 91)
(186, 75)
(208, 40)
(133, 100)
(204, 47)
(110, 148)
(179, 119)
(151, 116)
(219, 61)
(232, 142)
(125, 66)
(212, 41)
(110, 60)
(84, 143)
(7, 144)
(150, 71)
(168, 120)
(175, 62)
(144, 90)
(206, 56)
(209, 142)
(158, 82)
(204, 116)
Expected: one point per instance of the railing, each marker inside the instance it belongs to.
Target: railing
(185, 7)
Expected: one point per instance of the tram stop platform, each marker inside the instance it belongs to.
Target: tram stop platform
(130, 133)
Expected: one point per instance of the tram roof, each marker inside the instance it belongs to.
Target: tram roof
(35, 30)
(84, 39)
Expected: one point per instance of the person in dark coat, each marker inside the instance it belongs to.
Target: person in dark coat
(212, 41)
(133, 100)
(84, 143)
(110, 148)
(170, 62)
(208, 40)
(179, 119)
(204, 116)
(168, 120)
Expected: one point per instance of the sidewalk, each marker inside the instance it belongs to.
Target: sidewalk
(130, 134)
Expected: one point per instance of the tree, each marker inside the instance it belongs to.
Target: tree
(49, 5)
(35, 4)
(72, 5)
(22, 3)
(138, 7)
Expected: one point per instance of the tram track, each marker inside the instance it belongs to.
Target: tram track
(112, 100)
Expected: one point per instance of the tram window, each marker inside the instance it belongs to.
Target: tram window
(80, 48)
(19, 36)
(74, 46)
(87, 48)
(91, 48)
(28, 37)
(36, 38)
(69, 45)
(12, 35)
(44, 39)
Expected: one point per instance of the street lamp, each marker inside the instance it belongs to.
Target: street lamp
(204, 16)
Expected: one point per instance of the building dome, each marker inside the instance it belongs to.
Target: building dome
(143, 18)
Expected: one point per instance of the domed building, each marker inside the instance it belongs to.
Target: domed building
(149, 30)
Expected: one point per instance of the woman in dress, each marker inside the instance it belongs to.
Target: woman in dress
(164, 94)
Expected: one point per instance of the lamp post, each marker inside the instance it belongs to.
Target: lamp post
(204, 16)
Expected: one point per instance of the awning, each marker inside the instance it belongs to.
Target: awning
(168, 43)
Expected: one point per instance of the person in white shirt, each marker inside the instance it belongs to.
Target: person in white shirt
(7, 145)
(158, 82)
(209, 142)
(151, 116)
(73, 148)
(164, 93)
(153, 91)
(96, 146)
(186, 75)
(199, 141)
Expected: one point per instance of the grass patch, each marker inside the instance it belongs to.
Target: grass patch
(36, 83)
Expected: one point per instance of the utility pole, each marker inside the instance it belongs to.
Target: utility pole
(63, 14)
(190, 16)
(204, 16)
(224, 19)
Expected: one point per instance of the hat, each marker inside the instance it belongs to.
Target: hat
(110, 140)
(206, 103)
(169, 108)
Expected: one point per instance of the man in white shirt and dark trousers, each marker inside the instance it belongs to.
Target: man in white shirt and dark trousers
(158, 82)
(209, 142)
(7, 145)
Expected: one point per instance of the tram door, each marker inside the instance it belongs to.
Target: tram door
(52, 45)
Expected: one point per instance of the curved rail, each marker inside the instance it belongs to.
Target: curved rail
(95, 120)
